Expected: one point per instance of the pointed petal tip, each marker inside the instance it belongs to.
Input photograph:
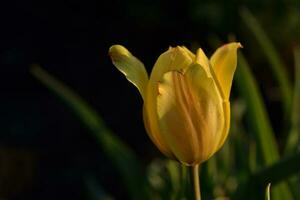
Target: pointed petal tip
(224, 62)
(177, 48)
(239, 45)
(236, 44)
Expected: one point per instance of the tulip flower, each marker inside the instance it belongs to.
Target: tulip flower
(186, 99)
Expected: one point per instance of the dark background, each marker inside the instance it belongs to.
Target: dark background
(44, 152)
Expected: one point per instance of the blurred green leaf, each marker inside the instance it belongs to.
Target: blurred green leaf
(294, 135)
(259, 121)
(277, 66)
(275, 173)
(252, 157)
(256, 111)
(121, 156)
(174, 170)
(279, 171)
(268, 192)
(169, 180)
(161, 185)
(94, 190)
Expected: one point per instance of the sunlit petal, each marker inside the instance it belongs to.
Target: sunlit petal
(191, 54)
(202, 60)
(174, 59)
(130, 66)
(156, 137)
(190, 114)
(224, 62)
(208, 102)
(225, 131)
(174, 114)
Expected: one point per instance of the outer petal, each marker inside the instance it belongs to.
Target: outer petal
(191, 54)
(212, 109)
(178, 58)
(224, 62)
(226, 109)
(155, 136)
(135, 72)
(175, 119)
(202, 60)
(190, 114)
(130, 66)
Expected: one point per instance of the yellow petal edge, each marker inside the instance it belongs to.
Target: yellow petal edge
(130, 66)
(224, 62)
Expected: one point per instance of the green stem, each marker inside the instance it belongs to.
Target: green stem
(196, 182)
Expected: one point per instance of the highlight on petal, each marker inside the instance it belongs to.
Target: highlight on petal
(130, 66)
(224, 62)
(190, 114)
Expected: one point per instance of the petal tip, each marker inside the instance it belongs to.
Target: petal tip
(117, 51)
(235, 44)
(239, 45)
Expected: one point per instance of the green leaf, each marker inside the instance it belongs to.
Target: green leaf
(268, 192)
(279, 171)
(256, 111)
(275, 173)
(123, 159)
(294, 135)
(277, 66)
(259, 121)
(173, 168)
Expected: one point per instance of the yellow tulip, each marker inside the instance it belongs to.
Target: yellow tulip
(186, 99)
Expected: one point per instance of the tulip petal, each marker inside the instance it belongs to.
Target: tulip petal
(130, 66)
(175, 121)
(192, 56)
(155, 136)
(226, 109)
(224, 62)
(190, 115)
(202, 60)
(211, 110)
(135, 72)
(178, 58)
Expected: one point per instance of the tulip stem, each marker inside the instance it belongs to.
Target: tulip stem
(196, 182)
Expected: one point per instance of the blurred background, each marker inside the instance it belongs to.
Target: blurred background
(46, 153)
